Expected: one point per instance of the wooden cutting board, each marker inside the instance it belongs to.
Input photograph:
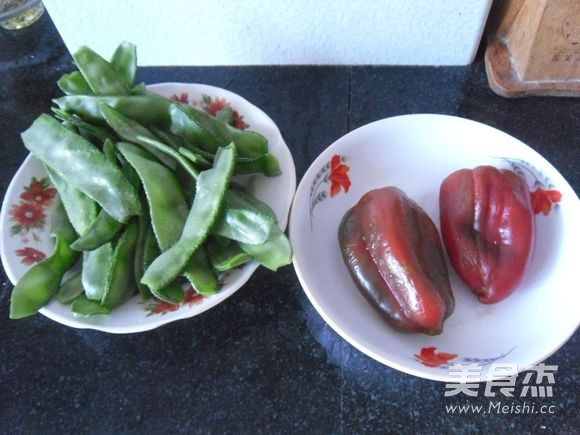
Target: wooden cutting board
(533, 48)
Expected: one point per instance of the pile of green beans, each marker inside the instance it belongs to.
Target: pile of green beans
(147, 200)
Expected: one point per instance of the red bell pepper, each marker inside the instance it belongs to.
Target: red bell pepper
(487, 224)
(394, 255)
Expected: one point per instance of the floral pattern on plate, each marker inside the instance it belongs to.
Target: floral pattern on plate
(28, 218)
(157, 306)
(218, 107)
(544, 196)
(429, 357)
(333, 173)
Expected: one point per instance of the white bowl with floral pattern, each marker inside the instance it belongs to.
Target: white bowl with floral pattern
(26, 210)
(415, 153)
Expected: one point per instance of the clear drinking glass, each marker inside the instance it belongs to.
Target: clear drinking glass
(16, 14)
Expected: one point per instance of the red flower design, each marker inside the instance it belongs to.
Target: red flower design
(182, 98)
(192, 297)
(430, 358)
(28, 215)
(542, 200)
(38, 194)
(238, 121)
(215, 106)
(161, 307)
(338, 176)
(30, 255)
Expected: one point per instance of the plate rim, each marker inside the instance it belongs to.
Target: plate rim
(302, 188)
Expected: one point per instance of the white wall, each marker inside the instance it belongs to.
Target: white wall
(256, 32)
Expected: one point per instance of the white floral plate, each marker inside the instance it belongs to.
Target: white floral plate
(26, 210)
(415, 153)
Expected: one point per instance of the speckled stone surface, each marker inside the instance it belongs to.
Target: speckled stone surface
(264, 360)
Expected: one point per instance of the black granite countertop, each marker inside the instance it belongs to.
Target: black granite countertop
(264, 360)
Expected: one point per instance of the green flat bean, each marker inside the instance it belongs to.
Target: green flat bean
(145, 109)
(187, 184)
(243, 225)
(96, 265)
(120, 279)
(226, 257)
(151, 248)
(95, 131)
(83, 166)
(241, 221)
(266, 164)
(172, 293)
(150, 109)
(170, 152)
(168, 210)
(83, 307)
(226, 115)
(69, 126)
(109, 150)
(124, 62)
(191, 130)
(142, 244)
(74, 84)
(80, 209)
(130, 131)
(98, 73)
(240, 198)
(140, 89)
(41, 282)
(200, 274)
(102, 230)
(248, 143)
(170, 139)
(167, 206)
(272, 254)
(70, 289)
(194, 157)
(211, 188)
(210, 157)
(245, 219)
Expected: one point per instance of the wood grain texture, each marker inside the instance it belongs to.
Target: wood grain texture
(534, 48)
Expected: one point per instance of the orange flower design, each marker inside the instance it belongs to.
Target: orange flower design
(215, 106)
(542, 200)
(161, 307)
(37, 193)
(338, 176)
(28, 215)
(191, 298)
(428, 357)
(182, 98)
(238, 121)
(30, 255)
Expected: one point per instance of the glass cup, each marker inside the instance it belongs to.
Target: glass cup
(16, 14)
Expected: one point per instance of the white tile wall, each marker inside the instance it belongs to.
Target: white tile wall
(258, 32)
